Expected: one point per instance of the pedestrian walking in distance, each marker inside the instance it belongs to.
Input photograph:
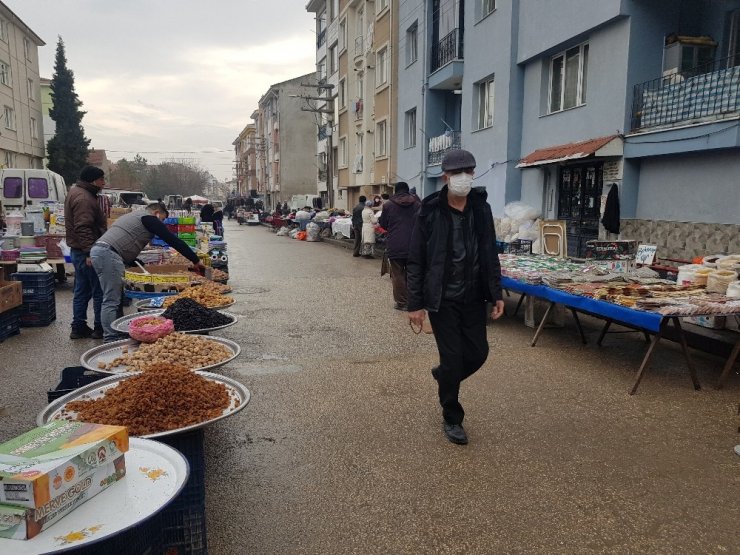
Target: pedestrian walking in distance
(452, 272)
(398, 217)
(85, 223)
(357, 224)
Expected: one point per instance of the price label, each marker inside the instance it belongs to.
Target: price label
(645, 254)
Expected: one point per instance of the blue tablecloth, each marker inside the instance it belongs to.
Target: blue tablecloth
(602, 309)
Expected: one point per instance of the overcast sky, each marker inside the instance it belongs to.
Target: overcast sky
(172, 78)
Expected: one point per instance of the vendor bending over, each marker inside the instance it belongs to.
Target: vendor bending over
(119, 247)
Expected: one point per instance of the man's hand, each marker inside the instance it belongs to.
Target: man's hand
(199, 268)
(88, 261)
(498, 310)
(417, 317)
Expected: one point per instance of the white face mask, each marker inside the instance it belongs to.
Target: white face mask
(460, 183)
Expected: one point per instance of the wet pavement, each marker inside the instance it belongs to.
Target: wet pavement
(341, 448)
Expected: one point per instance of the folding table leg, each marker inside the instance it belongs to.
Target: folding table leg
(519, 304)
(603, 332)
(685, 347)
(648, 355)
(647, 336)
(729, 364)
(578, 323)
(542, 324)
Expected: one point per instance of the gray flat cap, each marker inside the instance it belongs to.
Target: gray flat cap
(458, 160)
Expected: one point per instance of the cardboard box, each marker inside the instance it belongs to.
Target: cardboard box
(611, 250)
(711, 322)
(44, 463)
(11, 294)
(22, 523)
(160, 273)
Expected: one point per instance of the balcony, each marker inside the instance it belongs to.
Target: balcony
(356, 107)
(321, 38)
(703, 94)
(448, 49)
(441, 145)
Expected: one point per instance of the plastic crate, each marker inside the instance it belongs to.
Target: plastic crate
(193, 243)
(9, 324)
(170, 221)
(71, 378)
(184, 520)
(186, 228)
(36, 320)
(158, 242)
(186, 235)
(519, 246)
(37, 286)
(37, 314)
(186, 220)
(172, 228)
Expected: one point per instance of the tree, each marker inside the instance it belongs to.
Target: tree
(67, 149)
(129, 175)
(175, 177)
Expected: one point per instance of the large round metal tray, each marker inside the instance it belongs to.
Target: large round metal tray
(238, 394)
(145, 304)
(110, 351)
(121, 325)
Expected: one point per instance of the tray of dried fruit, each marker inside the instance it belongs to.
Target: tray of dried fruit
(195, 351)
(121, 325)
(157, 302)
(214, 397)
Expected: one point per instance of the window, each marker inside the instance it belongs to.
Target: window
(343, 35)
(31, 90)
(38, 187)
(734, 47)
(12, 186)
(360, 86)
(568, 72)
(342, 93)
(34, 129)
(343, 152)
(412, 44)
(321, 70)
(3, 30)
(485, 7)
(333, 60)
(381, 139)
(483, 104)
(409, 125)
(4, 73)
(360, 143)
(9, 118)
(27, 48)
(381, 69)
(10, 163)
(381, 5)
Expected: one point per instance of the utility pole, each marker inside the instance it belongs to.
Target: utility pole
(329, 112)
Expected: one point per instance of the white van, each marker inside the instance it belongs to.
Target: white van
(20, 188)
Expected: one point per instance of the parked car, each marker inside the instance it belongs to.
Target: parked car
(126, 199)
(29, 187)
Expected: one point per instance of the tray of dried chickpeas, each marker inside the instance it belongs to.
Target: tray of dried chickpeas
(197, 352)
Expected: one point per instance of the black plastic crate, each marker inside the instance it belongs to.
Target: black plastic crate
(518, 246)
(34, 279)
(9, 324)
(71, 378)
(35, 320)
(40, 308)
(184, 520)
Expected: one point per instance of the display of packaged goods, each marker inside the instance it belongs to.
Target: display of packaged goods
(23, 523)
(47, 462)
(11, 295)
(51, 243)
(611, 250)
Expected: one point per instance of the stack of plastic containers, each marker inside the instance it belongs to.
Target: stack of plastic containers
(39, 301)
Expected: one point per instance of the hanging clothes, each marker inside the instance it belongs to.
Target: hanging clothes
(610, 219)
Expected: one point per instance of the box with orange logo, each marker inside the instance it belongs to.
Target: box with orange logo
(47, 461)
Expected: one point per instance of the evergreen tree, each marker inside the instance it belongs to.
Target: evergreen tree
(67, 150)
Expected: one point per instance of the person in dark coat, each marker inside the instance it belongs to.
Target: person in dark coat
(397, 218)
(357, 224)
(206, 213)
(452, 271)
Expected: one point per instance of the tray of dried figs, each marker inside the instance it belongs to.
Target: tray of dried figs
(161, 400)
(196, 352)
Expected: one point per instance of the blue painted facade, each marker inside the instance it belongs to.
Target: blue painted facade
(660, 122)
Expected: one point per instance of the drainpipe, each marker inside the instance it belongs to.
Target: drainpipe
(424, 85)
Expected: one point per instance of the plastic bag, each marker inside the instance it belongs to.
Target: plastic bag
(282, 232)
(521, 211)
(148, 329)
(312, 232)
(301, 235)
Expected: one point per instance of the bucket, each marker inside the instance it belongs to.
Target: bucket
(719, 280)
(27, 228)
(687, 274)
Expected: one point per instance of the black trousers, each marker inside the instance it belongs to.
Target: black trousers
(358, 240)
(460, 332)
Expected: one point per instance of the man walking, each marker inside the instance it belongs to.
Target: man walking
(399, 213)
(357, 224)
(120, 246)
(85, 223)
(452, 271)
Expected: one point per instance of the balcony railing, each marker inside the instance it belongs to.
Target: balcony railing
(321, 38)
(449, 48)
(323, 132)
(705, 92)
(439, 146)
(359, 46)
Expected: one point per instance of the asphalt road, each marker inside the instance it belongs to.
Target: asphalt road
(341, 448)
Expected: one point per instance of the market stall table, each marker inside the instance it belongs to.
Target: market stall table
(651, 323)
(124, 517)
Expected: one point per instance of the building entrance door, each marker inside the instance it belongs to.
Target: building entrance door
(579, 204)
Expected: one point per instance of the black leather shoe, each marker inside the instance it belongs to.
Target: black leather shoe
(456, 433)
(80, 333)
(97, 333)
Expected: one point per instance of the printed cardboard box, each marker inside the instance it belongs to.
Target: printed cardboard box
(611, 250)
(46, 462)
(22, 523)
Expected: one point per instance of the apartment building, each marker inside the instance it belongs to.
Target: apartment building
(245, 155)
(560, 101)
(281, 126)
(365, 132)
(21, 130)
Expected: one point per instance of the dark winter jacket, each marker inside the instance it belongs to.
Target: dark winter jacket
(84, 221)
(611, 220)
(429, 260)
(398, 217)
(357, 214)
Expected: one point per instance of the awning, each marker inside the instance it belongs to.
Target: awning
(601, 146)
